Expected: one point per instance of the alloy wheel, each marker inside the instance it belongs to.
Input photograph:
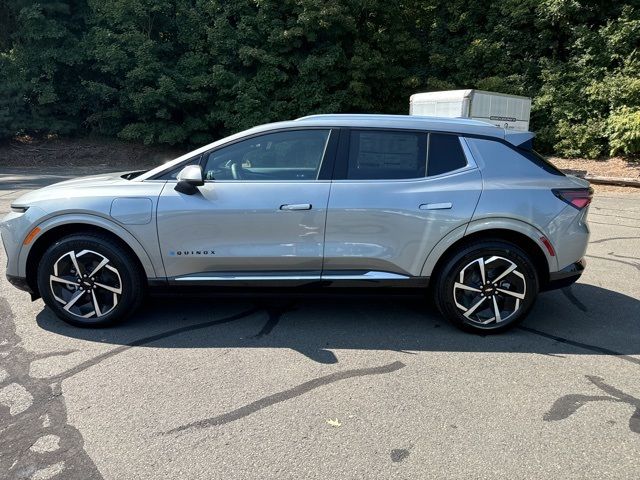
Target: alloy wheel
(489, 290)
(86, 284)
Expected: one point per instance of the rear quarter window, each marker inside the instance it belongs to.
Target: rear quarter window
(445, 154)
(503, 159)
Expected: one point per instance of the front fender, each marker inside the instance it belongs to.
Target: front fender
(96, 221)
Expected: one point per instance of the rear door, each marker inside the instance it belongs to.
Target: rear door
(259, 216)
(395, 194)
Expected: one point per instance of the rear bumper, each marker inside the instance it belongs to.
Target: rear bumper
(566, 276)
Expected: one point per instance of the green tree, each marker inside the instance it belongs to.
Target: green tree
(40, 63)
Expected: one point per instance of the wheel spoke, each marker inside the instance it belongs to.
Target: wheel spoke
(475, 307)
(96, 306)
(481, 266)
(53, 278)
(496, 310)
(513, 294)
(74, 299)
(74, 260)
(117, 290)
(100, 265)
(466, 287)
(505, 273)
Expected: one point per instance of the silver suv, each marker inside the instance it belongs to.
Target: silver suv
(462, 209)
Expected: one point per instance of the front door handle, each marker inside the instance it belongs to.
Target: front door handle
(296, 206)
(436, 206)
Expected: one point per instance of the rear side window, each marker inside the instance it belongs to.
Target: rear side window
(380, 155)
(445, 154)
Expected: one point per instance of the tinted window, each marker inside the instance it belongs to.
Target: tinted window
(505, 160)
(290, 155)
(376, 155)
(537, 159)
(445, 154)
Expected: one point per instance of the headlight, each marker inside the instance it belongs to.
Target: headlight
(19, 208)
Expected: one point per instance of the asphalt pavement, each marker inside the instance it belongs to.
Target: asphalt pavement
(322, 387)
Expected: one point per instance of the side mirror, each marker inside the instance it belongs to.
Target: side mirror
(189, 178)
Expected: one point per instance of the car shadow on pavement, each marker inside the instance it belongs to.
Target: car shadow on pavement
(583, 319)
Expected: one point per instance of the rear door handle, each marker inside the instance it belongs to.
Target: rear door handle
(296, 206)
(436, 206)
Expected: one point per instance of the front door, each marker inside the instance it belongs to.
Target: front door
(259, 216)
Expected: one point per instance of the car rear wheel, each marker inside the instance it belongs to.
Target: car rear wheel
(90, 281)
(486, 287)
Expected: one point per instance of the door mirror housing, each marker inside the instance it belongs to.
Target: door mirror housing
(189, 179)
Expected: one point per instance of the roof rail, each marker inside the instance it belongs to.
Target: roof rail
(387, 117)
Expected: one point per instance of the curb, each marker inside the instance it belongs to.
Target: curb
(616, 181)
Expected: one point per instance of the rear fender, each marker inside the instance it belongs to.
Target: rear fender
(487, 224)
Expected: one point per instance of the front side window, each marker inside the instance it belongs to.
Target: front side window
(382, 155)
(289, 155)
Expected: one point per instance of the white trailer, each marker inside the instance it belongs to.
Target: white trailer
(510, 112)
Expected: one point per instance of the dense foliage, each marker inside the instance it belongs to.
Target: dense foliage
(187, 71)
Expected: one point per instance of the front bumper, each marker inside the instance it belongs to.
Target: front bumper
(567, 276)
(21, 284)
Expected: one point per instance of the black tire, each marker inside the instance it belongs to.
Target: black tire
(128, 279)
(452, 299)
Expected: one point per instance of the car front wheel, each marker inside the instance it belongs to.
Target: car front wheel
(89, 280)
(487, 286)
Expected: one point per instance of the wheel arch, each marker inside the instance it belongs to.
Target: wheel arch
(519, 233)
(53, 231)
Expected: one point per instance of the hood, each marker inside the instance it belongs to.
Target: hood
(91, 180)
(74, 188)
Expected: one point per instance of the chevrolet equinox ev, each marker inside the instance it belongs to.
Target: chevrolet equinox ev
(459, 209)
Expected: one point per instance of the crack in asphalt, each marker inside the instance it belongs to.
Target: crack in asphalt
(602, 240)
(567, 405)
(150, 339)
(615, 216)
(586, 346)
(285, 395)
(616, 209)
(35, 437)
(614, 224)
(617, 255)
(567, 292)
(631, 264)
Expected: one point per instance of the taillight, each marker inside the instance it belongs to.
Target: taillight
(576, 197)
